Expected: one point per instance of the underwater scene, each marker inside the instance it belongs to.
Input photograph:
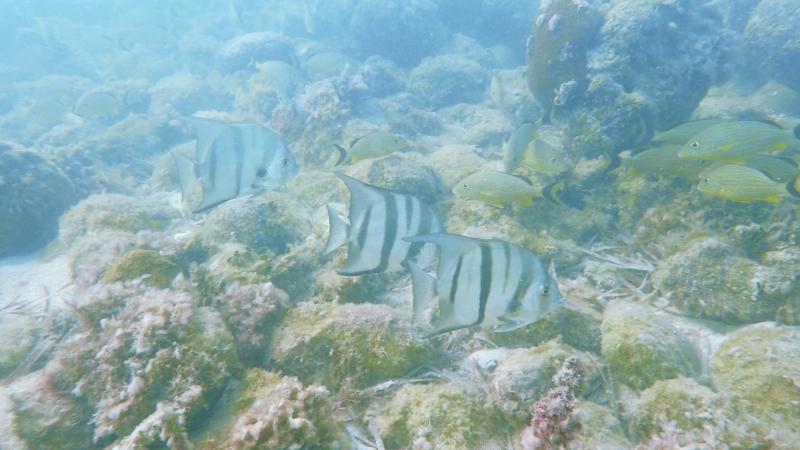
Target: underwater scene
(399, 224)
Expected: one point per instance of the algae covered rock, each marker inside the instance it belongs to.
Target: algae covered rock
(758, 368)
(140, 350)
(33, 194)
(444, 416)
(448, 79)
(518, 377)
(274, 412)
(18, 335)
(265, 224)
(712, 279)
(114, 212)
(642, 347)
(406, 175)
(690, 406)
(599, 429)
(347, 344)
(157, 270)
(773, 35)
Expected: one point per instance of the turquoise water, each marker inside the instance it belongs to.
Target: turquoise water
(378, 224)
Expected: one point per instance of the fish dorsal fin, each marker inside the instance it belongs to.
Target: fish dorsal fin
(362, 195)
(207, 130)
(451, 247)
(523, 178)
(552, 271)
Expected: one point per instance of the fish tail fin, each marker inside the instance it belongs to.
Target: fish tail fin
(337, 234)
(423, 288)
(342, 154)
(614, 161)
(794, 187)
(551, 192)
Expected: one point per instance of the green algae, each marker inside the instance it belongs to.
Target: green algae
(347, 344)
(159, 271)
(642, 348)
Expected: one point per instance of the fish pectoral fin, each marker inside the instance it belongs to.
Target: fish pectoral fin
(496, 205)
(509, 325)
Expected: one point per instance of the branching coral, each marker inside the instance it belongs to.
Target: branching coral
(553, 420)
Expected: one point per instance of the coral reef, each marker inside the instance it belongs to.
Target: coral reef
(243, 51)
(642, 348)
(346, 344)
(33, 194)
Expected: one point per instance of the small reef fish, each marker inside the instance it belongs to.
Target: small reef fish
(681, 133)
(496, 92)
(232, 160)
(370, 146)
(516, 144)
(490, 283)
(781, 169)
(739, 140)
(98, 105)
(744, 184)
(544, 158)
(379, 220)
(662, 161)
(499, 189)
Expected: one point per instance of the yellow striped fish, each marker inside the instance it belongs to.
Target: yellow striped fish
(662, 161)
(680, 134)
(744, 184)
(736, 141)
(499, 189)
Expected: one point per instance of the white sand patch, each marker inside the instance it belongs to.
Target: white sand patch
(31, 283)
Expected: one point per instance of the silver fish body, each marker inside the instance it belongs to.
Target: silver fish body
(487, 283)
(379, 220)
(232, 160)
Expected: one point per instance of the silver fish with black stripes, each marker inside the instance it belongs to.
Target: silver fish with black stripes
(232, 160)
(487, 283)
(379, 219)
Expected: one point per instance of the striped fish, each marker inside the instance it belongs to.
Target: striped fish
(489, 283)
(744, 184)
(379, 220)
(232, 160)
(737, 141)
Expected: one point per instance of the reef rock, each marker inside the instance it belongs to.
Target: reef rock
(155, 269)
(275, 412)
(265, 224)
(642, 348)
(394, 29)
(758, 367)
(346, 344)
(773, 36)
(713, 279)
(445, 80)
(444, 416)
(33, 194)
(141, 353)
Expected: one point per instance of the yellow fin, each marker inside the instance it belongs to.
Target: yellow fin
(773, 199)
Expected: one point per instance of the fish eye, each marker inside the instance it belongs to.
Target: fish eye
(707, 180)
(261, 172)
(546, 290)
(695, 144)
(466, 185)
(285, 162)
